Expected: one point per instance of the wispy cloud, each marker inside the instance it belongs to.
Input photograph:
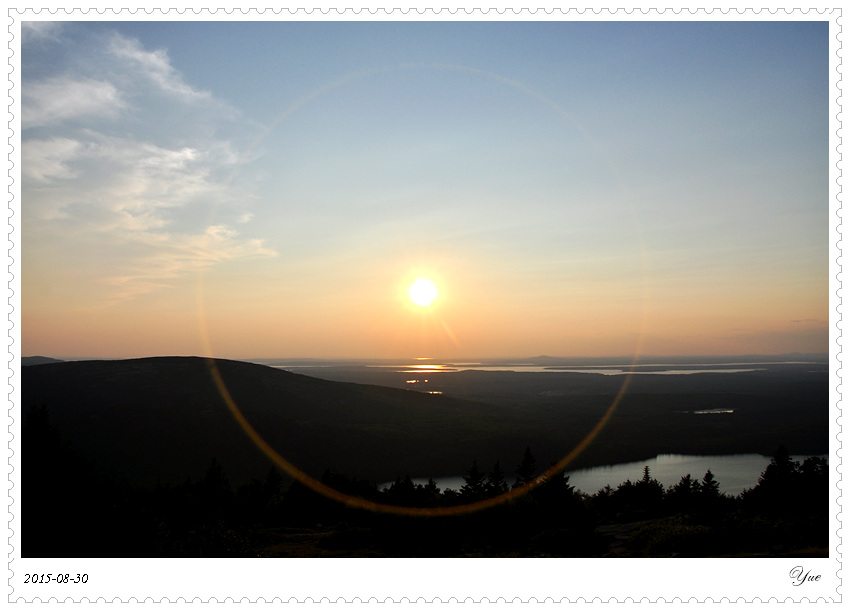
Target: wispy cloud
(60, 99)
(44, 161)
(33, 31)
(119, 160)
(152, 66)
(179, 255)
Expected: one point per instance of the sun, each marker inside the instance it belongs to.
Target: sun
(422, 292)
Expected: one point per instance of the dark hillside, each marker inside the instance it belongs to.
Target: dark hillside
(777, 404)
(162, 419)
(38, 360)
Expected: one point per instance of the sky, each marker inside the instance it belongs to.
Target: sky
(272, 189)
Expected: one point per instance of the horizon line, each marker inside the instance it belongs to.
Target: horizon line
(468, 360)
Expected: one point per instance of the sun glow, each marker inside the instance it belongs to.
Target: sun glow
(422, 292)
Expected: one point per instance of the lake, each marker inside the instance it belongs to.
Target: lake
(735, 472)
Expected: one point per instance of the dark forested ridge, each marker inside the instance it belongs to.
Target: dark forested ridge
(779, 403)
(785, 514)
(163, 419)
(150, 442)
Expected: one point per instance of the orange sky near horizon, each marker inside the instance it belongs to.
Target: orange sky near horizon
(472, 318)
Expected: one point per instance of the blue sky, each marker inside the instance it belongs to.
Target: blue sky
(270, 189)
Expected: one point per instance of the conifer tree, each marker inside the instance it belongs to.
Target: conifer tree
(648, 493)
(683, 495)
(475, 487)
(527, 469)
(431, 487)
(686, 486)
(710, 487)
(496, 483)
(781, 471)
(402, 491)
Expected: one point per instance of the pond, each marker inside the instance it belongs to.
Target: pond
(734, 472)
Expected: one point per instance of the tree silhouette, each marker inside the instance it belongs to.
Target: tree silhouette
(429, 494)
(526, 470)
(641, 498)
(789, 489)
(496, 483)
(402, 491)
(556, 496)
(814, 485)
(710, 487)
(682, 497)
(776, 491)
(475, 487)
(781, 471)
(687, 486)
(431, 487)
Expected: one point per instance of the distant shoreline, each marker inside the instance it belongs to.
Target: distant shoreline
(470, 362)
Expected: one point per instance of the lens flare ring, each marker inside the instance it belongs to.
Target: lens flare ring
(360, 503)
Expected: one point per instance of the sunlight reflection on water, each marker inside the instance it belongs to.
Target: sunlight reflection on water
(611, 368)
(608, 371)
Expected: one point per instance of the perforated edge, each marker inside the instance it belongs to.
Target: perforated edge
(13, 259)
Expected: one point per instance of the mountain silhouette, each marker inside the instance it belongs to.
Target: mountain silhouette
(162, 419)
(38, 360)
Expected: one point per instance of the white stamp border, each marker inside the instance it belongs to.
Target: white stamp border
(418, 580)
